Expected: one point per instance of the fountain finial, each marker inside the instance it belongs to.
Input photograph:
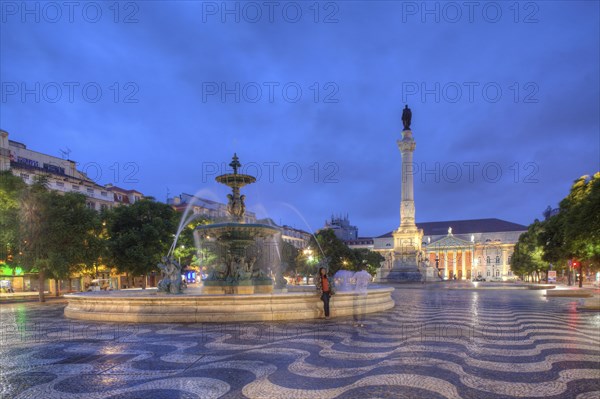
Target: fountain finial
(235, 163)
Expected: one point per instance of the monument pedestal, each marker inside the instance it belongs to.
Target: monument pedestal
(405, 256)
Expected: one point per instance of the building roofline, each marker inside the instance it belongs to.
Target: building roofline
(459, 225)
(116, 188)
(38, 152)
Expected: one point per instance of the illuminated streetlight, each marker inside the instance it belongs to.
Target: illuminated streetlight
(308, 253)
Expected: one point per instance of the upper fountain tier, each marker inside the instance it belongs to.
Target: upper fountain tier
(236, 208)
(235, 180)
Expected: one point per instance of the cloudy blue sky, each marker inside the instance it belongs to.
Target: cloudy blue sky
(157, 96)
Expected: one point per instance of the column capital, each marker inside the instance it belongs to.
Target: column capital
(407, 145)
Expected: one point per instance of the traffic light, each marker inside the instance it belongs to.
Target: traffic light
(575, 264)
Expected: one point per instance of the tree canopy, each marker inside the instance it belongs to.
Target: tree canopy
(573, 233)
(10, 190)
(340, 256)
(139, 235)
(53, 229)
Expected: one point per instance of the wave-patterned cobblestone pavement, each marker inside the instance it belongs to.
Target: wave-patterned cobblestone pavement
(433, 344)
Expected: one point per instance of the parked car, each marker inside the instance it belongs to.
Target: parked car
(479, 278)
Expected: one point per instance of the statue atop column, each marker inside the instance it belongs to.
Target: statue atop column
(406, 117)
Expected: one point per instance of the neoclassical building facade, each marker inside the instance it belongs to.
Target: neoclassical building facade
(463, 249)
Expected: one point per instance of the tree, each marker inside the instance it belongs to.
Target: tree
(334, 249)
(289, 258)
(582, 219)
(11, 188)
(95, 245)
(581, 213)
(186, 248)
(370, 259)
(574, 233)
(53, 228)
(553, 241)
(73, 240)
(340, 256)
(527, 255)
(139, 235)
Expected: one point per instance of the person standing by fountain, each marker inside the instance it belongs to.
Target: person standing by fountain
(325, 289)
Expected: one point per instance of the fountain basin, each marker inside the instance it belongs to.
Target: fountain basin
(146, 306)
(234, 239)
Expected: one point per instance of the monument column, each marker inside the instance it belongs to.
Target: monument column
(407, 238)
(407, 203)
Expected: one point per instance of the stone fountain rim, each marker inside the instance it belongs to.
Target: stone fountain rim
(238, 177)
(108, 295)
(219, 308)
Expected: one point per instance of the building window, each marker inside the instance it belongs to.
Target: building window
(75, 187)
(497, 272)
(103, 207)
(119, 197)
(24, 176)
(489, 260)
(91, 205)
(497, 260)
(90, 190)
(509, 259)
(60, 184)
(488, 273)
(510, 272)
(103, 193)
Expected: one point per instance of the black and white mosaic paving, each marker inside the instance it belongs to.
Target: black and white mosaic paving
(434, 344)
